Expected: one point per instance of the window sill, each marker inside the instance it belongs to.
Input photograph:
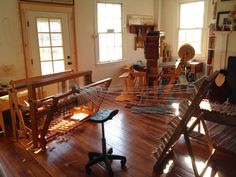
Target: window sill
(109, 62)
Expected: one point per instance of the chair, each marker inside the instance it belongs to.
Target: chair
(96, 157)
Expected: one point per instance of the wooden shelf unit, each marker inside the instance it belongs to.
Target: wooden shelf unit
(210, 52)
(140, 31)
(151, 53)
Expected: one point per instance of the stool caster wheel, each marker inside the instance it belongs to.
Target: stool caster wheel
(88, 170)
(110, 151)
(123, 162)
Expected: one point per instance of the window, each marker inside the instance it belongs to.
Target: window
(109, 30)
(50, 45)
(191, 25)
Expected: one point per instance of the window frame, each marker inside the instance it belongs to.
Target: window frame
(203, 40)
(96, 34)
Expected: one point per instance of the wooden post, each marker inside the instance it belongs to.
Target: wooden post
(33, 116)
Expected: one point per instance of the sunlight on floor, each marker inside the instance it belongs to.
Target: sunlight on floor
(200, 166)
(176, 107)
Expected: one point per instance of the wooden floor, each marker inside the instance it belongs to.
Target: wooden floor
(132, 135)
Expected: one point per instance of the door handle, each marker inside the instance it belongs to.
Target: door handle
(69, 63)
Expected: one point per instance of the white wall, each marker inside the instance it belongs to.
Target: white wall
(225, 5)
(85, 21)
(11, 51)
(169, 23)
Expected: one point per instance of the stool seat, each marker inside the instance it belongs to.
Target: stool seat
(103, 115)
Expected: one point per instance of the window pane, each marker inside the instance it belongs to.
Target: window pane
(59, 66)
(118, 39)
(117, 25)
(46, 68)
(191, 15)
(106, 40)
(56, 39)
(109, 17)
(118, 53)
(55, 25)
(42, 25)
(191, 24)
(182, 35)
(192, 37)
(197, 35)
(117, 11)
(45, 54)
(44, 39)
(109, 25)
(57, 53)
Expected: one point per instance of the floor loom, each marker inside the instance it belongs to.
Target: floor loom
(51, 115)
(178, 125)
(219, 123)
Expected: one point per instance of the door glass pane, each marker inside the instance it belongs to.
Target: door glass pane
(59, 66)
(50, 45)
(57, 53)
(44, 39)
(42, 25)
(46, 68)
(45, 54)
(56, 39)
(55, 25)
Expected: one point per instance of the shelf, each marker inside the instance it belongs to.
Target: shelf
(140, 31)
(211, 51)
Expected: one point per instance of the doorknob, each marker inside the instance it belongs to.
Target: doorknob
(69, 63)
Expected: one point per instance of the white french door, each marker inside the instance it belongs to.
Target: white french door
(49, 42)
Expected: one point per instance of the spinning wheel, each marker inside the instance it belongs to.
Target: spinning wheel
(186, 53)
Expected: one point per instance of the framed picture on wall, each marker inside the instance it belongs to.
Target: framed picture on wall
(223, 22)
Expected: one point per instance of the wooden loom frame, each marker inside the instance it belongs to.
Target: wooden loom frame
(49, 103)
(179, 126)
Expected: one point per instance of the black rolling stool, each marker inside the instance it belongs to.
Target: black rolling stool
(95, 157)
